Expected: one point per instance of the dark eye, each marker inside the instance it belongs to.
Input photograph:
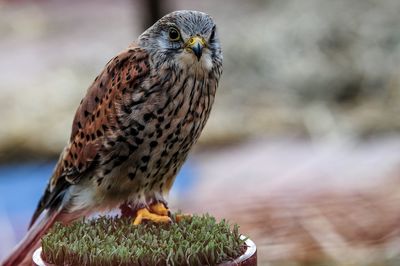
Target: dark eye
(173, 34)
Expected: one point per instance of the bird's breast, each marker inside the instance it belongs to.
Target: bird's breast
(160, 124)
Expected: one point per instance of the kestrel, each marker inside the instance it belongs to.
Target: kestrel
(134, 128)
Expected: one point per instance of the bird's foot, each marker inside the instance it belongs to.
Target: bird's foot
(160, 209)
(183, 216)
(127, 211)
(156, 217)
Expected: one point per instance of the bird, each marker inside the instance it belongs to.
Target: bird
(134, 128)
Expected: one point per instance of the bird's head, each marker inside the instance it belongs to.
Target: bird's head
(184, 39)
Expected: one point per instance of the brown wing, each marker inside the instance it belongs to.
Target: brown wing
(95, 117)
(95, 120)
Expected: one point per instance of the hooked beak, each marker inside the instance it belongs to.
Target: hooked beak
(196, 44)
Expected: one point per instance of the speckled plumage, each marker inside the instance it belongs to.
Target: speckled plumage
(139, 119)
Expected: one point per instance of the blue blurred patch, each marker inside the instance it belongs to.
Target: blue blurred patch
(22, 185)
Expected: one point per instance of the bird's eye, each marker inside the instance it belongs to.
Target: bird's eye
(173, 34)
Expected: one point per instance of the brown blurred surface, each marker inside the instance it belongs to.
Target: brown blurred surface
(307, 203)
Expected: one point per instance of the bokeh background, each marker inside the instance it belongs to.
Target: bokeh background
(302, 148)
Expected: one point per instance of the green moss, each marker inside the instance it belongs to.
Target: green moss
(199, 240)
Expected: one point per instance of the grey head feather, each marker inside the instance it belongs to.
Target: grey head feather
(189, 23)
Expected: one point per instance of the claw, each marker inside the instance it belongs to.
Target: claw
(144, 214)
(160, 209)
(180, 217)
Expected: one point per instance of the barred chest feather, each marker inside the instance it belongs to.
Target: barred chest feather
(160, 122)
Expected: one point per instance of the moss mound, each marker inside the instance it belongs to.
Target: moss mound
(199, 240)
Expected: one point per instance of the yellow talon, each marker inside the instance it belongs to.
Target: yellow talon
(144, 214)
(180, 217)
(160, 209)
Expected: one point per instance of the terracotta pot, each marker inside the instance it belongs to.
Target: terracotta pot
(249, 258)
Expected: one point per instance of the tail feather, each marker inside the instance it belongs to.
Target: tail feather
(22, 253)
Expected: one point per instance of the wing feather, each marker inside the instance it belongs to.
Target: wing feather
(95, 121)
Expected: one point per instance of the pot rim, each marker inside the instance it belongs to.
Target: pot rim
(250, 251)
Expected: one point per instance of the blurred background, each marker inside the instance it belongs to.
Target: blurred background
(302, 148)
